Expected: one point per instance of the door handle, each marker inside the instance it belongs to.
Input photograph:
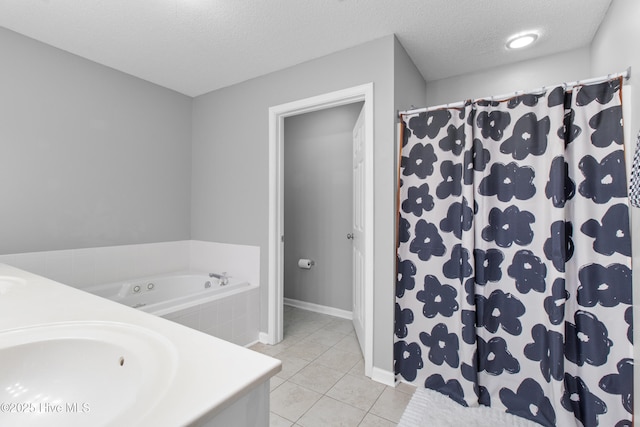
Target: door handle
(350, 236)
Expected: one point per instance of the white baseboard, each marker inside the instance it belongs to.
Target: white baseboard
(384, 377)
(319, 308)
(263, 337)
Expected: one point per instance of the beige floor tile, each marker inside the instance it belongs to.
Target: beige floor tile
(360, 392)
(343, 326)
(358, 368)
(317, 377)
(274, 382)
(291, 401)
(339, 360)
(349, 344)
(276, 420)
(391, 404)
(406, 388)
(329, 412)
(290, 366)
(328, 338)
(371, 420)
(269, 350)
(306, 349)
(299, 329)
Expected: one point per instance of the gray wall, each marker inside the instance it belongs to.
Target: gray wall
(409, 85)
(230, 163)
(89, 156)
(318, 205)
(614, 48)
(526, 75)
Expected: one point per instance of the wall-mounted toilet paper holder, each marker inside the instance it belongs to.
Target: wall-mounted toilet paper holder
(306, 263)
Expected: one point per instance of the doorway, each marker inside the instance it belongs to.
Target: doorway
(277, 115)
(318, 210)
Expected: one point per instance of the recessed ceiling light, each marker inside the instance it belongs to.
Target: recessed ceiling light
(521, 40)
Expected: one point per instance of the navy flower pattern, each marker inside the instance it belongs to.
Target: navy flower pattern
(560, 186)
(494, 357)
(628, 318)
(569, 130)
(586, 340)
(608, 127)
(548, 349)
(470, 373)
(487, 265)
(607, 286)
(603, 180)
(481, 155)
(528, 271)
(499, 310)
(509, 227)
(459, 218)
(427, 242)
(554, 304)
(402, 319)
(468, 326)
(513, 215)
(529, 402)
(492, 124)
(585, 405)
(443, 345)
(559, 247)
(420, 161)
(603, 92)
(451, 184)
(407, 359)
(454, 141)
(437, 298)
(508, 181)
(429, 124)
(404, 230)
(528, 99)
(529, 137)
(612, 233)
(621, 383)
(406, 270)
(458, 267)
(418, 200)
(451, 388)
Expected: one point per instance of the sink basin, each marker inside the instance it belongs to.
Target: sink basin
(82, 373)
(7, 283)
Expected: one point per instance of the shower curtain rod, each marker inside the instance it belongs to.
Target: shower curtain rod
(626, 74)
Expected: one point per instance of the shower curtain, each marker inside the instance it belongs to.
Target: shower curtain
(514, 256)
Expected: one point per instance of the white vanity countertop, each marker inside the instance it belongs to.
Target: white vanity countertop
(211, 374)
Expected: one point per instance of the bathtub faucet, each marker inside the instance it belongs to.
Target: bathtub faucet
(224, 279)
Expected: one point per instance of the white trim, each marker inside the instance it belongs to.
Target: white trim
(263, 337)
(384, 377)
(323, 309)
(277, 115)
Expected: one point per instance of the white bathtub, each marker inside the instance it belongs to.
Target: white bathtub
(193, 299)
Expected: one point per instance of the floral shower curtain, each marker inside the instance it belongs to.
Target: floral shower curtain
(514, 256)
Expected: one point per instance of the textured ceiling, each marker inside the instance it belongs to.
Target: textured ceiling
(195, 46)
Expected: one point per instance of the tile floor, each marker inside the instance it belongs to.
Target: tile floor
(322, 382)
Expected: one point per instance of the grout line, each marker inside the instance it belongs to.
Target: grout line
(315, 319)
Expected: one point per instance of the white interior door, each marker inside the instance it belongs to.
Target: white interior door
(358, 234)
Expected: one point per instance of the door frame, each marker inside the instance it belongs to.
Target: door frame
(277, 114)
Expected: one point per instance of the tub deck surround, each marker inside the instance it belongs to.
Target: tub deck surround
(194, 299)
(211, 375)
(165, 293)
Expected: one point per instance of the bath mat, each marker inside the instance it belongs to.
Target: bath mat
(429, 408)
